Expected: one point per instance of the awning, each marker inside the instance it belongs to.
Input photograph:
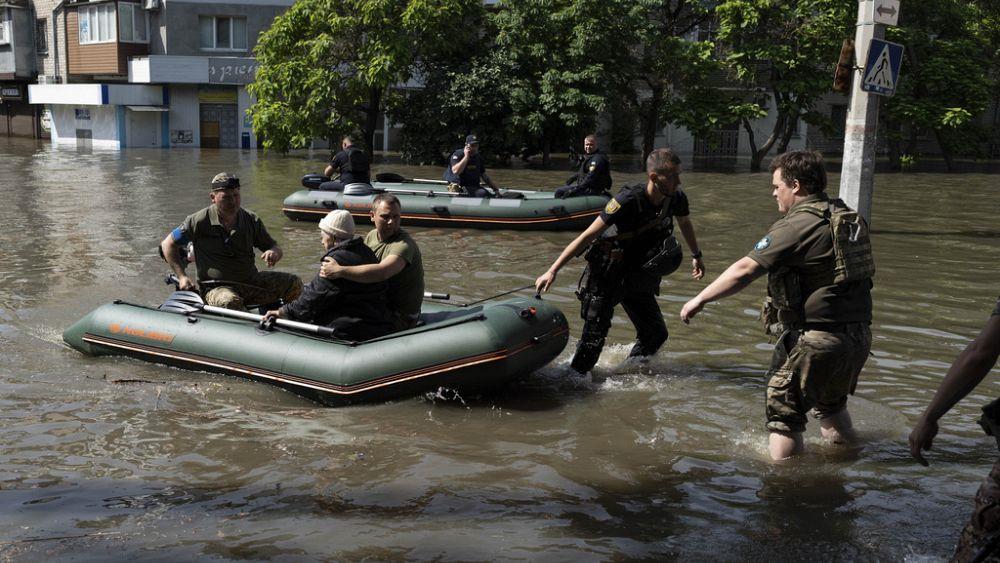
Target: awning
(148, 108)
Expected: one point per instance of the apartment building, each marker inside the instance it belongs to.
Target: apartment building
(151, 73)
(17, 69)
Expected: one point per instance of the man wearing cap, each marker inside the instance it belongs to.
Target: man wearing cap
(351, 163)
(400, 263)
(355, 311)
(466, 170)
(594, 175)
(224, 236)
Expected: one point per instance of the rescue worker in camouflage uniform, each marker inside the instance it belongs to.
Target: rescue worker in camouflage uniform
(980, 539)
(629, 248)
(224, 236)
(819, 264)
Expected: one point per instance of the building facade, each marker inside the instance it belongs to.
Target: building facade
(155, 73)
(17, 69)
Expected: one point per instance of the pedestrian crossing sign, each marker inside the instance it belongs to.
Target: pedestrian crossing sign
(881, 71)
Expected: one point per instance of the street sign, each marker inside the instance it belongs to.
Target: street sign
(885, 12)
(882, 67)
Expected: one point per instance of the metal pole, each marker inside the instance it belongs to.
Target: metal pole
(857, 177)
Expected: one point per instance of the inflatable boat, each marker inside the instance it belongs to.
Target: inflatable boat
(428, 203)
(463, 348)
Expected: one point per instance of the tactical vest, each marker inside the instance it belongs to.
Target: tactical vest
(606, 254)
(853, 261)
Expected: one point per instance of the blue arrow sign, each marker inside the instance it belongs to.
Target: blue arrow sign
(882, 68)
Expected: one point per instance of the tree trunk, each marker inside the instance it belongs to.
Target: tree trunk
(786, 135)
(757, 155)
(371, 120)
(650, 120)
(546, 151)
(949, 161)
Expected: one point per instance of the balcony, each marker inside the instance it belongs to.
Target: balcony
(102, 36)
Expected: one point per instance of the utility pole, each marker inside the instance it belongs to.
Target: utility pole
(857, 178)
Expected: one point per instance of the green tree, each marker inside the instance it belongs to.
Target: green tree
(947, 79)
(326, 66)
(782, 52)
(657, 65)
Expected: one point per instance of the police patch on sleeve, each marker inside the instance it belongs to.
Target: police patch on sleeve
(593, 165)
(763, 243)
(612, 206)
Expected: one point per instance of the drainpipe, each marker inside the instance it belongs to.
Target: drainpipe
(55, 35)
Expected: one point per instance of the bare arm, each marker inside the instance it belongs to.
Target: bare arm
(736, 277)
(459, 166)
(965, 373)
(169, 249)
(366, 273)
(328, 171)
(687, 230)
(572, 249)
(272, 255)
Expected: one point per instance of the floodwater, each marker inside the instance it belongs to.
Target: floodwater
(111, 458)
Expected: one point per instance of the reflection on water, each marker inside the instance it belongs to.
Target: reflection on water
(112, 458)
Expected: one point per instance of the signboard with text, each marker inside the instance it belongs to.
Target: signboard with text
(10, 93)
(231, 70)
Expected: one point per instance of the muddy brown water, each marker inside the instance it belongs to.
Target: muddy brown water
(182, 465)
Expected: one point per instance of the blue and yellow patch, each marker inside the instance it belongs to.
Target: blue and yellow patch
(612, 206)
(593, 165)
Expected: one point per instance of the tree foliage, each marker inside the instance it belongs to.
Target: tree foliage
(326, 65)
(785, 50)
(948, 76)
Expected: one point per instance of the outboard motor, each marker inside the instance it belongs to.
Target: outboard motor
(313, 181)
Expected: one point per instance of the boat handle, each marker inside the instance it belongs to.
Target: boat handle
(329, 204)
(439, 209)
(558, 210)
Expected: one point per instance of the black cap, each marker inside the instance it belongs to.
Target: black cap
(471, 140)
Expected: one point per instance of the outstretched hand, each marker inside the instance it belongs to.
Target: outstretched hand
(691, 308)
(544, 281)
(922, 438)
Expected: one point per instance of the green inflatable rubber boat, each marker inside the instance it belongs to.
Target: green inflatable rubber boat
(428, 203)
(467, 348)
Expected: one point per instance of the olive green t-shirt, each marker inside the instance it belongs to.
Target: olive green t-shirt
(803, 242)
(225, 255)
(406, 289)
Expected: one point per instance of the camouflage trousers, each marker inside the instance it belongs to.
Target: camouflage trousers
(980, 539)
(814, 370)
(264, 288)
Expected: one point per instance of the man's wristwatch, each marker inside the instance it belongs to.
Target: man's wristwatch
(696, 255)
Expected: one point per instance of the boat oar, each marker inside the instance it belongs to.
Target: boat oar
(432, 295)
(393, 178)
(186, 302)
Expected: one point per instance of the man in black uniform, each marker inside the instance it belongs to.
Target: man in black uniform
(351, 163)
(594, 175)
(633, 248)
(466, 169)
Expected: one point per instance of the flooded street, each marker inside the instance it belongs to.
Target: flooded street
(112, 458)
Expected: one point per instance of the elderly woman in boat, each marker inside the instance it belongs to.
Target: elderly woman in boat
(355, 311)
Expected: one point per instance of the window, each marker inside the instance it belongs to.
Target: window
(223, 33)
(133, 23)
(42, 36)
(97, 24)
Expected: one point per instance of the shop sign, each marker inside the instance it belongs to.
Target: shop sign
(216, 94)
(231, 70)
(11, 93)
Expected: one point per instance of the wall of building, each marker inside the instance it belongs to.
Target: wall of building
(183, 117)
(103, 125)
(23, 24)
(183, 35)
